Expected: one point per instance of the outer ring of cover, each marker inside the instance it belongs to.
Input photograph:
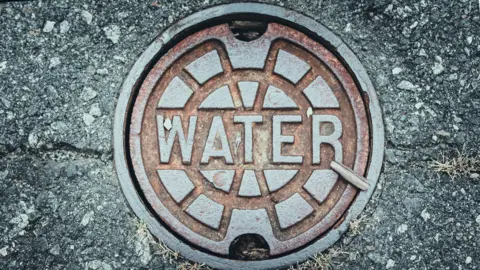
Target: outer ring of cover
(203, 19)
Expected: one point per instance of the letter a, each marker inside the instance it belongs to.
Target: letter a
(217, 129)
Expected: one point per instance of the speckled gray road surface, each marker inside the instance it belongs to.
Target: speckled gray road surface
(62, 64)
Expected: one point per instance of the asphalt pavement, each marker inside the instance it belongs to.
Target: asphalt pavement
(61, 67)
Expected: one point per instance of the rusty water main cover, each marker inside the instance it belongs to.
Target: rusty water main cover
(226, 130)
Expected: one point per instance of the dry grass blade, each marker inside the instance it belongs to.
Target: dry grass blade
(356, 224)
(141, 231)
(321, 261)
(167, 254)
(461, 165)
(192, 266)
(162, 250)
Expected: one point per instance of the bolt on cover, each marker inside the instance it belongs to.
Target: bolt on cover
(225, 132)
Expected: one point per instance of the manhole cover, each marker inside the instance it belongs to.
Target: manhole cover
(243, 140)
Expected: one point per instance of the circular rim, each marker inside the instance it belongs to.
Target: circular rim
(150, 56)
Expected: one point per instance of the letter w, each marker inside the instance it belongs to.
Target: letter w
(165, 144)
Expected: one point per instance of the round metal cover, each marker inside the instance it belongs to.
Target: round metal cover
(224, 138)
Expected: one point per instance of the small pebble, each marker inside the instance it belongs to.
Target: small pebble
(406, 85)
(55, 61)
(87, 17)
(390, 264)
(88, 94)
(396, 71)
(32, 139)
(468, 260)
(425, 215)
(64, 27)
(3, 251)
(167, 124)
(119, 58)
(309, 112)
(452, 77)
(112, 33)
(86, 218)
(403, 228)
(443, 133)
(469, 40)
(88, 119)
(95, 110)
(102, 71)
(55, 250)
(48, 27)
(3, 65)
(348, 28)
(437, 68)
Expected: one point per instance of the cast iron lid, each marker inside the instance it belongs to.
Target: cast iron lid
(228, 129)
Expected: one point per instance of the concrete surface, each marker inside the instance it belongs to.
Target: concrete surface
(62, 63)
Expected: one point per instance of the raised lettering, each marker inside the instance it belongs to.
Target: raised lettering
(332, 139)
(166, 144)
(278, 139)
(217, 129)
(248, 121)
